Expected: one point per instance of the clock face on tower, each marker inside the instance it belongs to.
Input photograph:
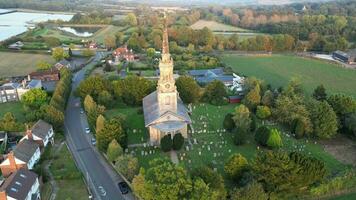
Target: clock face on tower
(167, 86)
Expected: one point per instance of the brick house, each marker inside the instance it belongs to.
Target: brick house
(25, 155)
(123, 53)
(41, 132)
(48, 75)
(20, 185)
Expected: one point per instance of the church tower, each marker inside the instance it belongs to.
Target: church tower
(166, 90)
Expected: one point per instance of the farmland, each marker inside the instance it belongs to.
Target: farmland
(16, 64)
(277, 70)
(216, 26)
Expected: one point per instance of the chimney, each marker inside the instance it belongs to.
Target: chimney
(29, 134)
(12, 161)
(24, 83)
(28, 77)
(3, 195)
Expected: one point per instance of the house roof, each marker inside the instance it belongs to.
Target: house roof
(10, 86)
(64, 62)
(224, 79)
(34, 83)
(151, 109)
(41, 129)
(19, 183)
(206, 72)
(47, 72)
(25, 150)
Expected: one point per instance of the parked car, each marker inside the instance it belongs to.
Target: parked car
(93, 141)
(81, 111)
(124, 188)
(87, 130)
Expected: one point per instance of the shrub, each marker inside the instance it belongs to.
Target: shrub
(166, 143)
(178, 141)
(298, 128)
(262, 135)
(240, 137)
(229, 123)
(235, 165)
(274, 139)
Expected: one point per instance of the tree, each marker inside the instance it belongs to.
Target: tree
(52, 41)
(240, 136)
(131, 19)
(93, 86)
(127, 165)
(274, 139)
(43, 65)
(114, 151)
(215, 93)
(119, 36)
(34, 98)
(253, 191)
(88, 52)
(105, 98)
(110, 41)
(242, 118)
(9, 123)
(342, 104)
(287, 174)
(262, 135)
(178, 141)
(235, 165)
(201, 190)
(163, 180)
(319, 93)
(151, 52)
(324, 119)
(268, 98)
(112, 130)
(253, 97)
(229, 123)
(58, 54)
(100, 122)
(188, 89)
(350, 123)
(166, 143)
(53, 116)
(263, 112)
(93, 110)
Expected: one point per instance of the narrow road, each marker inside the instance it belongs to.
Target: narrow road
(101, 178)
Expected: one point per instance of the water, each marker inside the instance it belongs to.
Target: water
(16, 23)
(80, 31)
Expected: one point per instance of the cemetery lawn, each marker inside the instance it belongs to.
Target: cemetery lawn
(277, 70)
(137, 133)
(16, 108)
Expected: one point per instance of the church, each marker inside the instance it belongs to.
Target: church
(164, 111)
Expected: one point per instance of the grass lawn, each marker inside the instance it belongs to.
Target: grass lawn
(137, 133)
(16, 64)
(15, 108)
(277, 70)
(351, 196)
(72, 189)
(216, 26)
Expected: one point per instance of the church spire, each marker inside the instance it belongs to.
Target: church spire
(166, 57)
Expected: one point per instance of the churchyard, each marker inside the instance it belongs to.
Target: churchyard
(209, 144)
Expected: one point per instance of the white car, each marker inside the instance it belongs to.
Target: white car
(87, 130)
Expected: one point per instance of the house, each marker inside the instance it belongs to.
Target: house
(123, 53)
(13, 91)
(92, 45)
(41, 132)
(20, 185)
(47, 75)
(63, 63)
(164, 112)
(348, 58)
(25, 155)
(17, 45)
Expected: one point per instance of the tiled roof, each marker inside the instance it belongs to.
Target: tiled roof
(41, 129)
(25, 150)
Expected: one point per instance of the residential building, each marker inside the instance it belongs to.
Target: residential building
(123, 53)
(164, 111)
(47, 75)
(25, 155)
(63, 63)
(20, 185)
(17, 45)
(13, 91)
(41, 132)
(349, 58)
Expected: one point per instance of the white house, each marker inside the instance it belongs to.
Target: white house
(42, 133)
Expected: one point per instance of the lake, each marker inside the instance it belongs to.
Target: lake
(18, 22)
(80, 31)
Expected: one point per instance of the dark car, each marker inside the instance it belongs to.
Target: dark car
(124, 188)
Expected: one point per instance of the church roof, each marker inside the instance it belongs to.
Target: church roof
(151, 109)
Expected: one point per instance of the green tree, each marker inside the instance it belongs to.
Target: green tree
(52, 41)
(34, 98)
(253, 97)
(274, 139)
(9, 123)
(242, 117)
(268, 98)
(253, 191)
(240, 136)
(350, 123)
(43, 65)
(127, 165)
(235, 165)
(163, 180)
(58, 54)
(201, 190)
(215, 93)
(263, 112)
(324, 119)
(262, 135)
(112, 130)
(93, 86)
(100, 122)
(105, 98)
(131, 19)
(92, 110)
(342, 104)
(114, 151)
(150, 52)
(110, 41)
(178, 141)
(166, 143)
(188, 89)
(320, 93)
(229, 123)
(119, 36)
(53, 116)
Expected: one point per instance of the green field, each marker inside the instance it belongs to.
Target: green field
(277, 70)
(17, 64)
(216, 26)
(351, 196)
(16, 108)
